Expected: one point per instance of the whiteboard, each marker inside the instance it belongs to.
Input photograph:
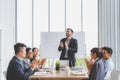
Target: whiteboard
(50, 42)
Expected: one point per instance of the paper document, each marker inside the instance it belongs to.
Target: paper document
(41, 73)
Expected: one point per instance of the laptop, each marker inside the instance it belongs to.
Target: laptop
(64, 63)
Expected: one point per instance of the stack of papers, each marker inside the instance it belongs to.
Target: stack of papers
(45, 70)
(41, 73)
(77, 71)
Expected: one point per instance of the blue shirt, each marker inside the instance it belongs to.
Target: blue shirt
(108, 65)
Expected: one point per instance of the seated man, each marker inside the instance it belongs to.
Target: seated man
(108, 64)
(16, 69)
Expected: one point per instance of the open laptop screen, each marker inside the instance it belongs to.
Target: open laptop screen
(64, 63)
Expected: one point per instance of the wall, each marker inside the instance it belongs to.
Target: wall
(109, 27)
(7, 23)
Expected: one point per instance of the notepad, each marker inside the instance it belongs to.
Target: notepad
(76, 69)
(45, 70)
(41, 73)
(77, 73)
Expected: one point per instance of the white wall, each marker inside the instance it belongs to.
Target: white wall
(7, 23)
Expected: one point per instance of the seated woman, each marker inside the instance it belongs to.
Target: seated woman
(90, 62)
(26, 61)
(36, 57)
(97, 69)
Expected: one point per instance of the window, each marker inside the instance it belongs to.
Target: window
(73, 14)
(90, 23)
(35, 16)
(57, 15)
(40, 20)
(24, 21)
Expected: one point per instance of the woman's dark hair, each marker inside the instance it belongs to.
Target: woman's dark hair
(34, 48)
(95, 51)
(28, 49)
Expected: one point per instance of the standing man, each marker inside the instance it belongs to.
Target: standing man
(16, 70)
(69, 47)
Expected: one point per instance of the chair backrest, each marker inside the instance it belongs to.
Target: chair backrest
(115, 75)
(4, 74)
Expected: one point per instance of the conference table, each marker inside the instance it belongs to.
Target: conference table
(62, 74)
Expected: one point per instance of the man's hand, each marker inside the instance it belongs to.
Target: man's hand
(61, 44)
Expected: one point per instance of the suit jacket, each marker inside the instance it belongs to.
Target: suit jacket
(73, 46)
(97, 71)
(26, 63)
(16, 70)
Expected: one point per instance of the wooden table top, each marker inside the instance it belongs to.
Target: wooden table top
(61, 74)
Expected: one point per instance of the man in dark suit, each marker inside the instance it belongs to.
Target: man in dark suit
(69, 47)
(16, 69)
(97, 70)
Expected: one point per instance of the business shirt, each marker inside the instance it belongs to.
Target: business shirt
(16, 70)
(67, 41)
(108, 64)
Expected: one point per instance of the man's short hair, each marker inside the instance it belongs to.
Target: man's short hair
(108, 49)
(18, 46)
(70, 29)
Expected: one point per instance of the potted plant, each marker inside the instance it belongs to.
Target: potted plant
(57, 64)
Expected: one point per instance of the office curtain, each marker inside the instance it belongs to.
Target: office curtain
(109, 27)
